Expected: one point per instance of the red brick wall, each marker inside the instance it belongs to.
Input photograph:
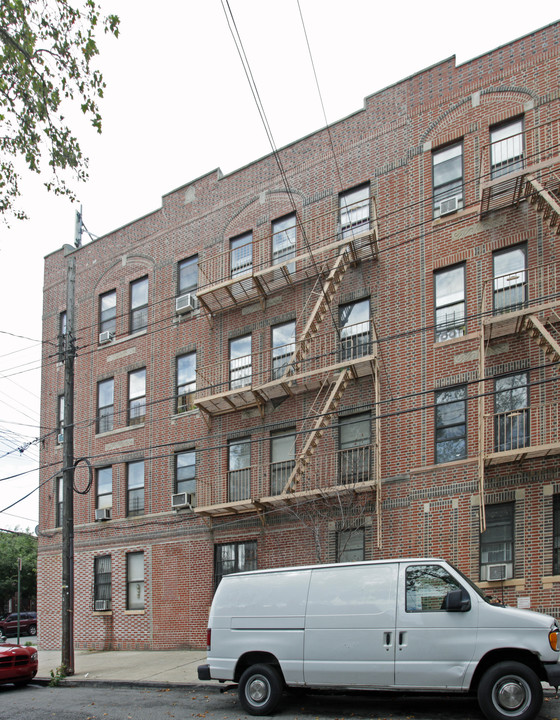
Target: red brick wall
(426, 509)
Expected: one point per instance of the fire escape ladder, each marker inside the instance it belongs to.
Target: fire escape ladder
(546, 335)
(327, 292)
(546, 202)
(316, 434)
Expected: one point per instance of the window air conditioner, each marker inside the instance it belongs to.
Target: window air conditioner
(182, 500)
(101, 605)
(500, 571)
(185, 303)
(105, 337)
(449, 205)
(103, 514)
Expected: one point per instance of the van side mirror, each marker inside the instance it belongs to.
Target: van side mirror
(456, 601)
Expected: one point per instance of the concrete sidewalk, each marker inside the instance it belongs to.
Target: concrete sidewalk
(161, 667)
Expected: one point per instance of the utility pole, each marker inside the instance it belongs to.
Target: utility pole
(18, 597)
(68, 478)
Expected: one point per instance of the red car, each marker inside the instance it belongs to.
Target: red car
(27, 624)
(18, 664)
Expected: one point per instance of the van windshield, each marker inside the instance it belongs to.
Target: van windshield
(473, 585)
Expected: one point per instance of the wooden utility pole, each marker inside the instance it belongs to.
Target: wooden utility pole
(68, 478)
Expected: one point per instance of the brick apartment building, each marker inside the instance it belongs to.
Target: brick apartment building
(353, 357)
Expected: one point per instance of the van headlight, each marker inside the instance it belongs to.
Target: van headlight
(553, 637)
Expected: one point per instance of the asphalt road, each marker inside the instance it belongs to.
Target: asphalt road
(106, 703)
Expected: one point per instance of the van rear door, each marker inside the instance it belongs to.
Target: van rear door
(434, 645)
(350, 626)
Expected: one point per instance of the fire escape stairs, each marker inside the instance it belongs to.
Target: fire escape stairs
(329, 287)
(546, 201)
(323, 419)
(546, 334)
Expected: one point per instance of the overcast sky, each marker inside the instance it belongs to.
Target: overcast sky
(178, 105)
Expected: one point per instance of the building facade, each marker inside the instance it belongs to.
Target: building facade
(348, 350)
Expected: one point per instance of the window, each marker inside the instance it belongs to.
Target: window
(451, 424)
(496, 543)
(284, 241)
(239, 469)
(510, 279)
(283, 347)
(102, 582)
(135, 581)
(60, 420)
(185, 474)
(354, 211)
(59, 501)
(234, 557)
(354, 448)
(240, 362)
(511, 412)
(427, 587)
(104, 488)
(62, 336)
(447, 168)
(556, 536)
(139, 305)
(105, 405)
(241, 251)
(187, 276)
(282, 459)
(137, 397)
(506, 148)
(135, 488)
(354, 330)
(186, 382)
(350, 545)
(449, 285)
(108, 312)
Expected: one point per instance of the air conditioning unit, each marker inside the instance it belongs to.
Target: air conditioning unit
(103, 514)
(105, 337)
(182, 500)
(449, 205)
(101, 605)
(60, 438)
(185, 303)
(500, 571)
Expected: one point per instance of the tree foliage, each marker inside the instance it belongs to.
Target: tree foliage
(13, 546)
(47, 54)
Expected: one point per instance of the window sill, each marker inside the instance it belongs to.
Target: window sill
(549, 580)
(194, 411)
(518, 583)
(134, 612)
(454, 341)
(103, 613)
(118, 431)
(444, 466)
(124, 339)
(452, 217)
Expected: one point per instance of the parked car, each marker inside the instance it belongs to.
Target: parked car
(27, 624)
(412, 624)
(18, 664)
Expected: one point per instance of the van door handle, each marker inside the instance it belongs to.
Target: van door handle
(387, 640)
(402, 639)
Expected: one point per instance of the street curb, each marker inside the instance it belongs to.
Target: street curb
(97, 682)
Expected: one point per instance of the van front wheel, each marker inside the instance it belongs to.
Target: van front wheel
(260, 689)
(510, 691)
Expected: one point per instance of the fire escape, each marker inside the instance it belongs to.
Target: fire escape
(322, 359)
(520, 300)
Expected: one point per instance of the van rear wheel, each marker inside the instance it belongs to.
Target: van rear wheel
(510, 691)
(260, 689)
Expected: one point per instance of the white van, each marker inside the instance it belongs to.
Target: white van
(416, 624)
